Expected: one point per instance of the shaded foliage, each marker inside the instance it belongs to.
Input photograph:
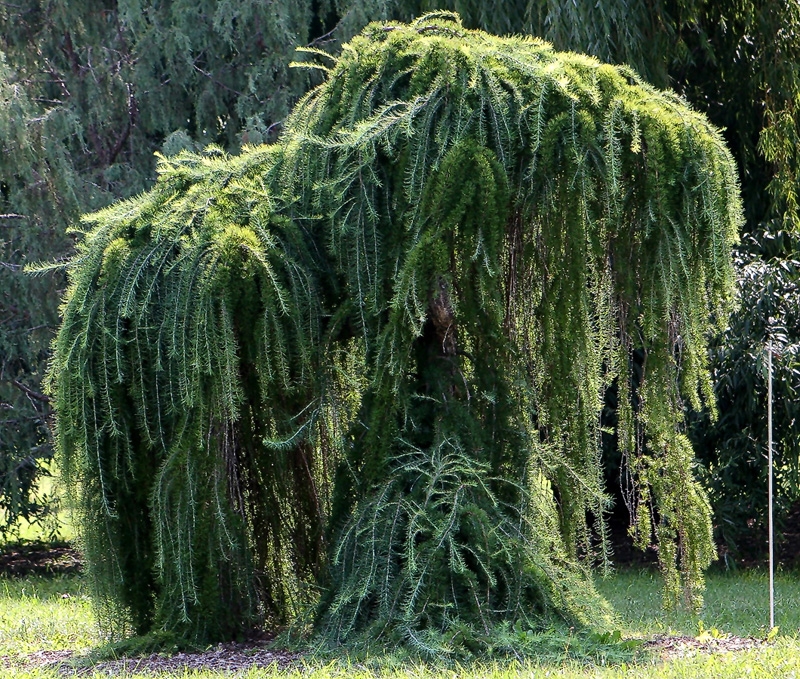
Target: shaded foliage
(31, 227)
(482, 231)
(732, 449)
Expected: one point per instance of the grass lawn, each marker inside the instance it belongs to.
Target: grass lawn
(39, 613)
(736, 602)
(43, 615)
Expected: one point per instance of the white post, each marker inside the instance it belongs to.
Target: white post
(769, 488)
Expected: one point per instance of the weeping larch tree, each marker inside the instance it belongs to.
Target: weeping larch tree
(361, 371)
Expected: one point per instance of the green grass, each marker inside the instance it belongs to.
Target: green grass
(46, 614)
(54, 528)
(51, 530)
(782, 660)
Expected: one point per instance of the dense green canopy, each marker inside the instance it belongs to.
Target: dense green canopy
(371, 357)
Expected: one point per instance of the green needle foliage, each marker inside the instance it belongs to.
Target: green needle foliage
(371, 357)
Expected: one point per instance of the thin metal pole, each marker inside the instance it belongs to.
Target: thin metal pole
(769, 489)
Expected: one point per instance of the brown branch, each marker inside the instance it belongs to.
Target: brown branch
(69, 51)
(120, 143)
(211, 77)
(133, 114)
(97, 143)
(324, 39)
(30, 392)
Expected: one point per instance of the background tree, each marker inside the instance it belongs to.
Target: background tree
(733, 446)
(27, 307)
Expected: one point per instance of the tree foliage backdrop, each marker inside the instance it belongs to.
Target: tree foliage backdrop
(91, 89)
(372, 355)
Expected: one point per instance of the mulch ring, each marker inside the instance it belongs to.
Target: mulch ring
(674, 647)
(222, 658)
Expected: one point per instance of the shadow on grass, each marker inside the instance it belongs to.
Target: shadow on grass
(23, 558)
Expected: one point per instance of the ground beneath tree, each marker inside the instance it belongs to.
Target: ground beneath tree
(41, 559)
(242, 657)
(222, 658)
(675, 647)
